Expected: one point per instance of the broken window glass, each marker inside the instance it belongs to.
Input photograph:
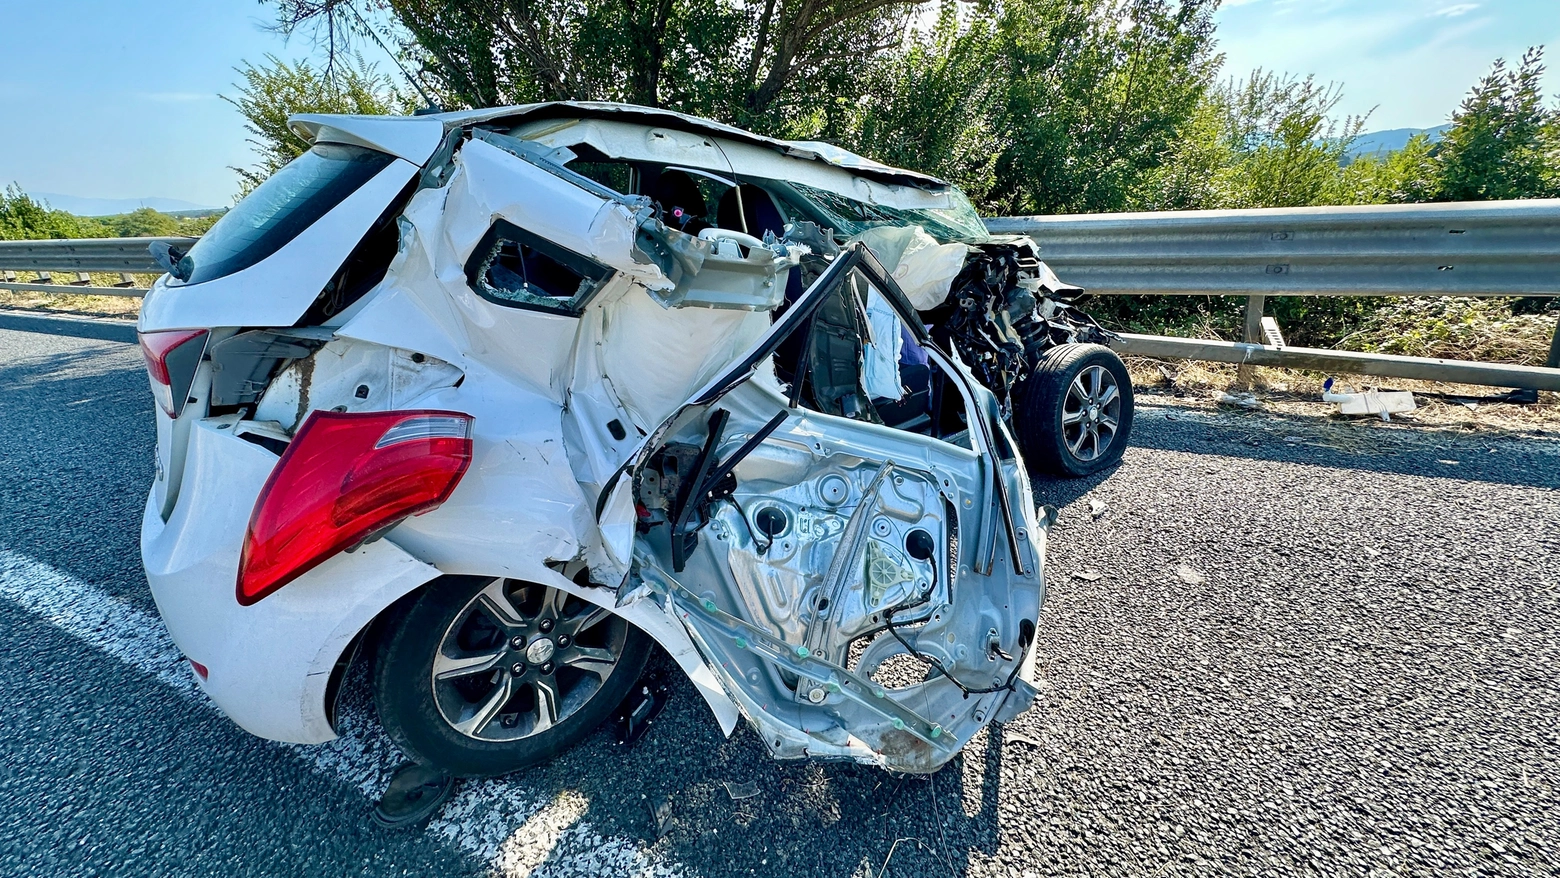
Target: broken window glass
(519, 269)
(847, 216)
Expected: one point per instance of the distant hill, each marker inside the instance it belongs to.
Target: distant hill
(114, 206)
(1376, 144)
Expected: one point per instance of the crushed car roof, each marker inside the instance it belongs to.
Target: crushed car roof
(414, 138)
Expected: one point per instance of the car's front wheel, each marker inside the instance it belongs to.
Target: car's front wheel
(481, 677)
(1073, 413)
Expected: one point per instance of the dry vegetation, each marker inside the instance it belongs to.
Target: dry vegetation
(1297, 396)
(123, 307)
(1489, 330)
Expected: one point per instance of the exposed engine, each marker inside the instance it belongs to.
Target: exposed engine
(1004, 311)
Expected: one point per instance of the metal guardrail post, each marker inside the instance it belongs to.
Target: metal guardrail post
(1554, 347)
(1247, 373)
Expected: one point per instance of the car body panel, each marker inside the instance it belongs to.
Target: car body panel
(653, 117)
(793, 626)
(413, 138)
(677, 146)
(269, 664)
(568, 406)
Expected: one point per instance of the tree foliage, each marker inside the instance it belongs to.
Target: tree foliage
(276, 89)
(1502, 143)
(24, 219)
(1032, 105)
(1266, 141)
(1275, 142)
(760, 64)
(1039, 106)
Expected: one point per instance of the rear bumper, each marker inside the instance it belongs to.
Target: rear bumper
(270, 663)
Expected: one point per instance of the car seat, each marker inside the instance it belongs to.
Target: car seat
(682, 204)
(758, 209)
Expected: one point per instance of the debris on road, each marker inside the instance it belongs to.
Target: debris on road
(740, 791)
(1022, 738)
(1097, 508)
(1372, 402)
(1190, 575)
(639, 710)
(1088, 575)
(661, 815)
(415, 793)
(1245, 400)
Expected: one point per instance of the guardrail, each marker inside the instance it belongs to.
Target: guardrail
(1509, 248)
(81, 257)
(1499, 248)
(1506, 248)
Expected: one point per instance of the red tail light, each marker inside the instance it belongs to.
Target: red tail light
(171, 360)
(343, 478)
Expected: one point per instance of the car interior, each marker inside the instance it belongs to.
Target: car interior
(692, 199)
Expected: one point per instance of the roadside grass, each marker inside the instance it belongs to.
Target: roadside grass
(1464, 408)
(122, 307)
(1495, 330)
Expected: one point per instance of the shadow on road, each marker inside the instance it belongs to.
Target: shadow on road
(732, 810)
(76, 327)
(1497, 457)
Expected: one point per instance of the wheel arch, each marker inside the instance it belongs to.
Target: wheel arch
(351, 646)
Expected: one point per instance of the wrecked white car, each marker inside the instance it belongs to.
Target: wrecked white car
(498, 400)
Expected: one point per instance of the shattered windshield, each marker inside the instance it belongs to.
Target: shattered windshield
(849, 217)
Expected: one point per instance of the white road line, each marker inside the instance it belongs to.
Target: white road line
(512, 828)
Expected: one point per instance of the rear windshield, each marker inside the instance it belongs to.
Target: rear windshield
(281, 208)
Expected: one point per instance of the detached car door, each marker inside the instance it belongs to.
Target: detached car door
(842, 526)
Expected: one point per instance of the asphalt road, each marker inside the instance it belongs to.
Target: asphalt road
(1294, 659)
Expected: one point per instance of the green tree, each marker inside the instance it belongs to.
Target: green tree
(1039, 107)
(1097, 93)
(935, 106)
(24, 219)
(277, 89)
(144, 223)
(1502, 141)
(763, 64)
(1032, 105)
(1265, 141)
(1405, 176)
(1289, 146)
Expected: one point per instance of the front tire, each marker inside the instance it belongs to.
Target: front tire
(1073, 414)
(480, 677)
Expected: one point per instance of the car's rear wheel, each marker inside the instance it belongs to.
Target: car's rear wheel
(1073, 414)
(481, 677)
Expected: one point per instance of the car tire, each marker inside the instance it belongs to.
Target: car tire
(463, 682)
(1073, 414)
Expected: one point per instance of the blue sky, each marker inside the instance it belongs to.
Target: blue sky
(118, 98)
(1410, 60)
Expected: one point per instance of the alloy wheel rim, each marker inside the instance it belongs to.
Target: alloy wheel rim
(1091, 413)
(520, 658)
